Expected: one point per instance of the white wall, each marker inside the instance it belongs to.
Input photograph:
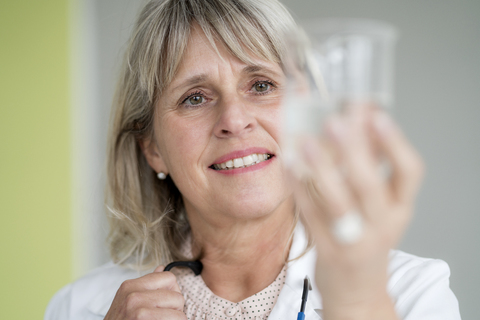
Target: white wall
(99, 32)
(437, 104)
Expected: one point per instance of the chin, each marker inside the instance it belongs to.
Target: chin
(257, 206)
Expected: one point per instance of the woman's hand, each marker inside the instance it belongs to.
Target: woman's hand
(153, 296)
(346, 177)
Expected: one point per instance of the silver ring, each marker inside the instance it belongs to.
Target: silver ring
(348, 229)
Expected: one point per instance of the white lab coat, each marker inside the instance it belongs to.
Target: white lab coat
(418, 286)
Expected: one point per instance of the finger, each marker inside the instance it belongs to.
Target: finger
(156, 314)
(349, 135)
(161, 298)
(312, 216)
(407, 166)
(310, 211)
(151, 281)
(160, 268)
(328, 190)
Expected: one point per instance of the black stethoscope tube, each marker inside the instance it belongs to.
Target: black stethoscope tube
(195, 266)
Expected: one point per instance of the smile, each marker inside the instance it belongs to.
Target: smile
(247, 161)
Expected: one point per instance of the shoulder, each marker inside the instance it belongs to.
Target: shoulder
(420, 287)
(90, 296)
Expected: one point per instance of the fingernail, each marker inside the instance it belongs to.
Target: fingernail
(356, 112)
(382, 123)
(336, 129)
(159, 268)
(310, 149)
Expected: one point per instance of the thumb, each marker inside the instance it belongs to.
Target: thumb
(160, 268)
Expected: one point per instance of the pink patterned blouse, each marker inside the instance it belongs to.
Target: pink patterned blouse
(202, 304)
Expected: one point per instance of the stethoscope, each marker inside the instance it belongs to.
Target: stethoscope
(197, 266)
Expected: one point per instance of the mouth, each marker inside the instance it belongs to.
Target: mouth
(243, 162)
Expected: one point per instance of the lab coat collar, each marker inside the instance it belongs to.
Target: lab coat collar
(101, 302)
(289, 300)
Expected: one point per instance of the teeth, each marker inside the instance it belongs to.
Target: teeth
(248, 160)
(237, 163)
(242, 162)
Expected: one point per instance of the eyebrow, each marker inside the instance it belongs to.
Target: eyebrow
(258, 68)
(192, 81)
(204, 77)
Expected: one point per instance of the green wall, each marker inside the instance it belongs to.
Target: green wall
(35, 180)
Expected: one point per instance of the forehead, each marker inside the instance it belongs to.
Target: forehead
(199, 49)
(201, 57)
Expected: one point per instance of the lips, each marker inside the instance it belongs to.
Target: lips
(244, 162)
(242, 159)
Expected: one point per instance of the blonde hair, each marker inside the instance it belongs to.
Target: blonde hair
(148, 223)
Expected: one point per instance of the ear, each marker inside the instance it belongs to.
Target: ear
(153, 156)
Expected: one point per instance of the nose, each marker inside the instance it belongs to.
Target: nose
(235, 119)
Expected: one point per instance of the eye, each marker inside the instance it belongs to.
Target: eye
(195, 100)
(261, 87)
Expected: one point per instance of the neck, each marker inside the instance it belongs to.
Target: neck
(242, 257)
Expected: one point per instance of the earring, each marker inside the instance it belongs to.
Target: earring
(161, 176)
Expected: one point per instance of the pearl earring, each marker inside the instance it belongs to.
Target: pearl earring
(161, 176)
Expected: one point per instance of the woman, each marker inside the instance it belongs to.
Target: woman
(196, 172)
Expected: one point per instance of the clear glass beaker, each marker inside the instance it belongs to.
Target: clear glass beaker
(331, 64)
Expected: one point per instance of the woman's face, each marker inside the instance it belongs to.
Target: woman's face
(220, 112)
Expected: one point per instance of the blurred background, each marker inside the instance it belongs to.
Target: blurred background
(58, 67)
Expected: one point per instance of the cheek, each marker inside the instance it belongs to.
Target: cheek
(184, 141)
(271, 121)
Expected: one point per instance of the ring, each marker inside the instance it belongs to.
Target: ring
(348, 229)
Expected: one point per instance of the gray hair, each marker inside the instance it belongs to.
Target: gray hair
(148, 223)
